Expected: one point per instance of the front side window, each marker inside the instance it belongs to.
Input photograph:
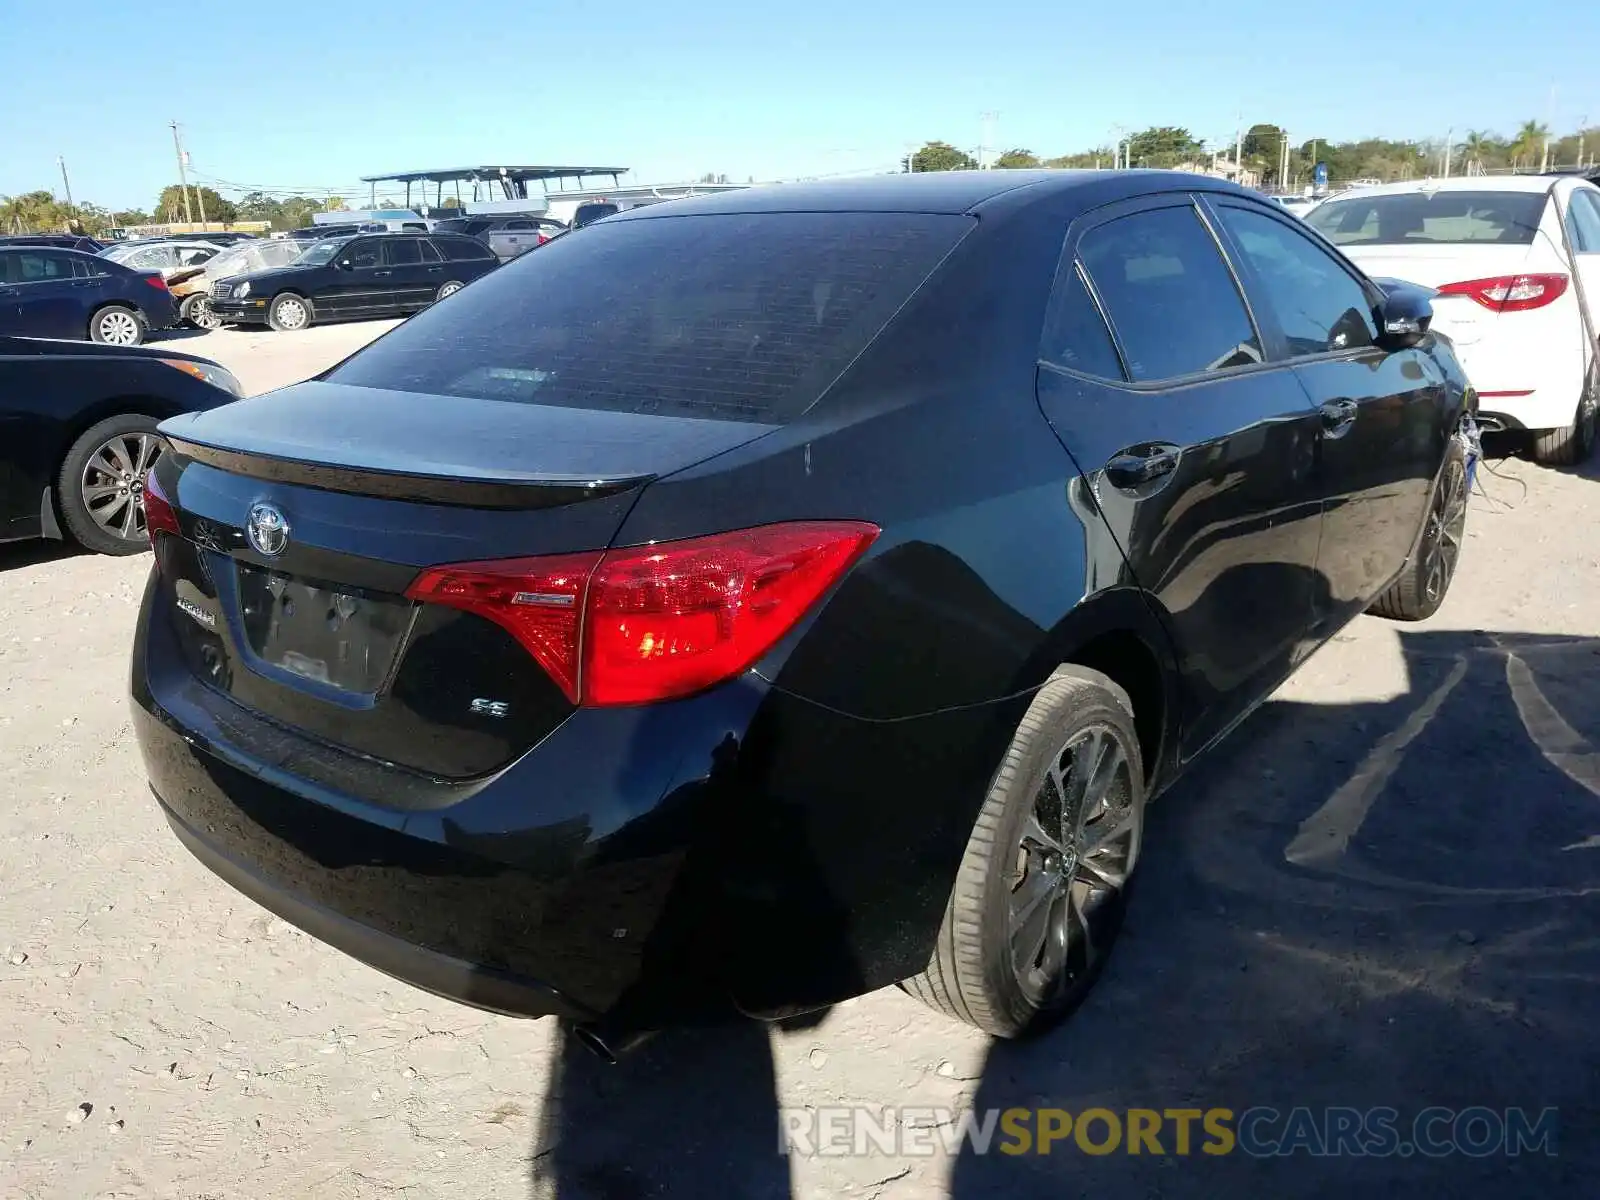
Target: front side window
(1169, 294)
(1430, 218)
(366, 253)
(1320, 307)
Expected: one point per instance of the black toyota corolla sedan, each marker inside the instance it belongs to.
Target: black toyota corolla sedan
(778, 595)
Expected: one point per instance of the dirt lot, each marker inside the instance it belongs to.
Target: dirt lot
(1384, 890)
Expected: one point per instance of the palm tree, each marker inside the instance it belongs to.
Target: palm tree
(1530, 141)
(1474, 147)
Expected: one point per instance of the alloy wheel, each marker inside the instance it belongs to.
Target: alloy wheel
(291, 314)
(1079, 845)
(1447, 521)
(118, 327)
(449, 289)
(113, 483)
(203, 315)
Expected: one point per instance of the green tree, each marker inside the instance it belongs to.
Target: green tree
(170, 205)
(1013, 160)
(130, 216)
(335, 204)
(1163, 146)
(1528, 146)
(31, 212)
(941, 156)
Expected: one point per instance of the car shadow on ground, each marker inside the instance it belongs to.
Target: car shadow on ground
(1393, 903)
(177, 335)
(35, 552)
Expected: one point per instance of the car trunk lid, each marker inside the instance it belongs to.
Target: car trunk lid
(304, 516)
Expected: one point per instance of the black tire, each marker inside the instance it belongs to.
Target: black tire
(449, 288)
(290, 312)
(117, 325)
(1573, 444)
(124, 508)
(976, 974)
(1421, 588)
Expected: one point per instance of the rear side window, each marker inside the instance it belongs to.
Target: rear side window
(1430, 218)
(1583, 221)
(460, 249)
(1075, 334)
(38, 266)
(403, 252)
(1169, 295)
(738, 316)
(1319, 305)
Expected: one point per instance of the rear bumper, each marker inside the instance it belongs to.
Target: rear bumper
(740, 849)
(1528, 384)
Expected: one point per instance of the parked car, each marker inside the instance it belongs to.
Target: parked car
(751, 603)
(192, 288)
(1516, 263)
(597, 210)
(517, 238)
(372, 275)
(51, 293)
(168, 258)
(62, 241)
(79, 422)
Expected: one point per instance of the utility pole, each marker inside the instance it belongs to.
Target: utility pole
(199, 195)
(183, 177)
(989, 119)
(1449, 138)
(1238, 149)
(65, 182)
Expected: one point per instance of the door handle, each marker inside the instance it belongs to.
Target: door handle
(1140, 465)
(1338, 416)
(382, 274)
(435, 270)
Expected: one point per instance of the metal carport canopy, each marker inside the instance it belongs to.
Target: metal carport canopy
(513, 180)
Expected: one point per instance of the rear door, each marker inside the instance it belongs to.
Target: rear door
(1198, 451)
(410, 287)
(1382, 435)
(50, 296)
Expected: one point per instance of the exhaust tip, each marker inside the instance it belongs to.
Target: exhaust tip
(610, 1045)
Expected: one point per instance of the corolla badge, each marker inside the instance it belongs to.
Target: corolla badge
(267, 530)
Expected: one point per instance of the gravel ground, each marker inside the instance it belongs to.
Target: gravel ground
(1381, 891)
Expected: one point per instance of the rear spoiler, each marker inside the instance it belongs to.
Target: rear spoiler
(396, 485)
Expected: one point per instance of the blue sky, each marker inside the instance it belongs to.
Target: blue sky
(303, 96)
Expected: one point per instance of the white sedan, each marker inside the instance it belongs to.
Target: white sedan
(1516, 261)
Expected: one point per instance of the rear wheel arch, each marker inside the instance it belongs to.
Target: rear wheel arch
(1117, 634)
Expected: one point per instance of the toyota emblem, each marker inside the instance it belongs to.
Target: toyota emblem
(267, 530)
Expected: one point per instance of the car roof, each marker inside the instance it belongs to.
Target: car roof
(1457, 183)
(924, 192)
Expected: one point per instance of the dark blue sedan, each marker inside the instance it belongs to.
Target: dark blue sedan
(54, 293)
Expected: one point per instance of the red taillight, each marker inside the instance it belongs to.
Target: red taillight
(648, 623)
(156, 282)
(159, 515)
(1510, 293)
(543, 238)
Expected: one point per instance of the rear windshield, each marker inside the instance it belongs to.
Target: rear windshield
(1430, 218)
(738, 316)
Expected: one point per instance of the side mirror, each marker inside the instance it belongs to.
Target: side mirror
(346, 265)
(1404, 313)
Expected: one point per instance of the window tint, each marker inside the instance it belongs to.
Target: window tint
(518, 225)
(429, 254)
(742, 316)
(460, 249)
(366, 253)
(1430, 218)
(39, 266)
(1169, 294)
(1075, 334)
(404, 252)
(1319, 305)
(1583, 221)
